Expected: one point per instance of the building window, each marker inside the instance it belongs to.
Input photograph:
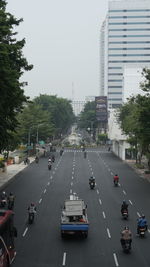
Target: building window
(129, 55)
(114, 80)
(129, 61)
(130, 42)
(128, 23)
(130, 48)
(129, 10)
(115, 86)
(136, 35)
(119, 30)
(127, 17)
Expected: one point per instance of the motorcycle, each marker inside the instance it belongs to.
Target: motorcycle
(31, 217)
(142, 231)
(115, 182)
(92, 185)
(3, 203)
(126, 245)
(49, 166)
(125, 214)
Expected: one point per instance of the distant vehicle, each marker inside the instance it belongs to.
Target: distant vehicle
(7, 234)
(74, 217)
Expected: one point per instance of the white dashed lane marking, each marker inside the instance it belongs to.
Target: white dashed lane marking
(130, 202)
(108, 232)
(124, 192)
(40, 200)
(64, 259)
(115, 259)
(104, 215)
(100, 202)
(25, 232)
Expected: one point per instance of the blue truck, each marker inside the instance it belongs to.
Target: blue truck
(74, 217)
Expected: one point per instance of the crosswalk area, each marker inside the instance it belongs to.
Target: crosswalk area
(88, 151)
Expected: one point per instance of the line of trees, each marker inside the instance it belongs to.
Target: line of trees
(20, 118)
(47, 117)
(134, 119)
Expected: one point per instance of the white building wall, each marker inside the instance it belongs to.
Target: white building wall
(127, 42)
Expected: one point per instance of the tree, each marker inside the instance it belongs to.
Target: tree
(34, 122)
(87, 118)
(12, 66)
(60, 110)
(134, 118)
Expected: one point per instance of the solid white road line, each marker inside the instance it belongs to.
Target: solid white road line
(104, 215)
(119, 184)
(44, 191)
(100, 202)
(48, 183)
(111, 173)
(72, 177)
(138, 214)
(97, 191)
(108, 232)
(130, 202)
(124, 192)
(115, 259)
(25, 232)
(64, 259)
(40, 200)
(71, 183)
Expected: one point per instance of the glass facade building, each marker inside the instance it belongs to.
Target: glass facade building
(125, 40)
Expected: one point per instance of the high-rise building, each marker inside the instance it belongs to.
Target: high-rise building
(124, 42)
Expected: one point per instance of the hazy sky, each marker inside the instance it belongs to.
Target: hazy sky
(62, 42)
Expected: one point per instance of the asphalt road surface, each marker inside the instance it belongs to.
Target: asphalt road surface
(41, 245)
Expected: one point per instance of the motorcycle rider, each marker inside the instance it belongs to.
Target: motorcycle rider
(11, 200)
(53, 158)
(116, 178)
(32, 208)
(142, 223)
(126, 235)
(3, 199)
(124, 206)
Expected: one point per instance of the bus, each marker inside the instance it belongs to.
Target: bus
(7, 234)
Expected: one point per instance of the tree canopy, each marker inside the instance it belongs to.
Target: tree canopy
(48, 115)
(87, 118)
(134, 117)
(12, 66)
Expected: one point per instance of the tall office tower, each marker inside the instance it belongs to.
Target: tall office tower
(126, 36)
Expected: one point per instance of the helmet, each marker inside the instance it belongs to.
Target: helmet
(32, 204)
(143, 216)
(126, 228)
(10, 193)
(124, 202)
(116, 174)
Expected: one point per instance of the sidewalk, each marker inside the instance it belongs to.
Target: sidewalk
(141, 172)
(11, 171)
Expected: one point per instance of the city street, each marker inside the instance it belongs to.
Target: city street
(41, 245)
